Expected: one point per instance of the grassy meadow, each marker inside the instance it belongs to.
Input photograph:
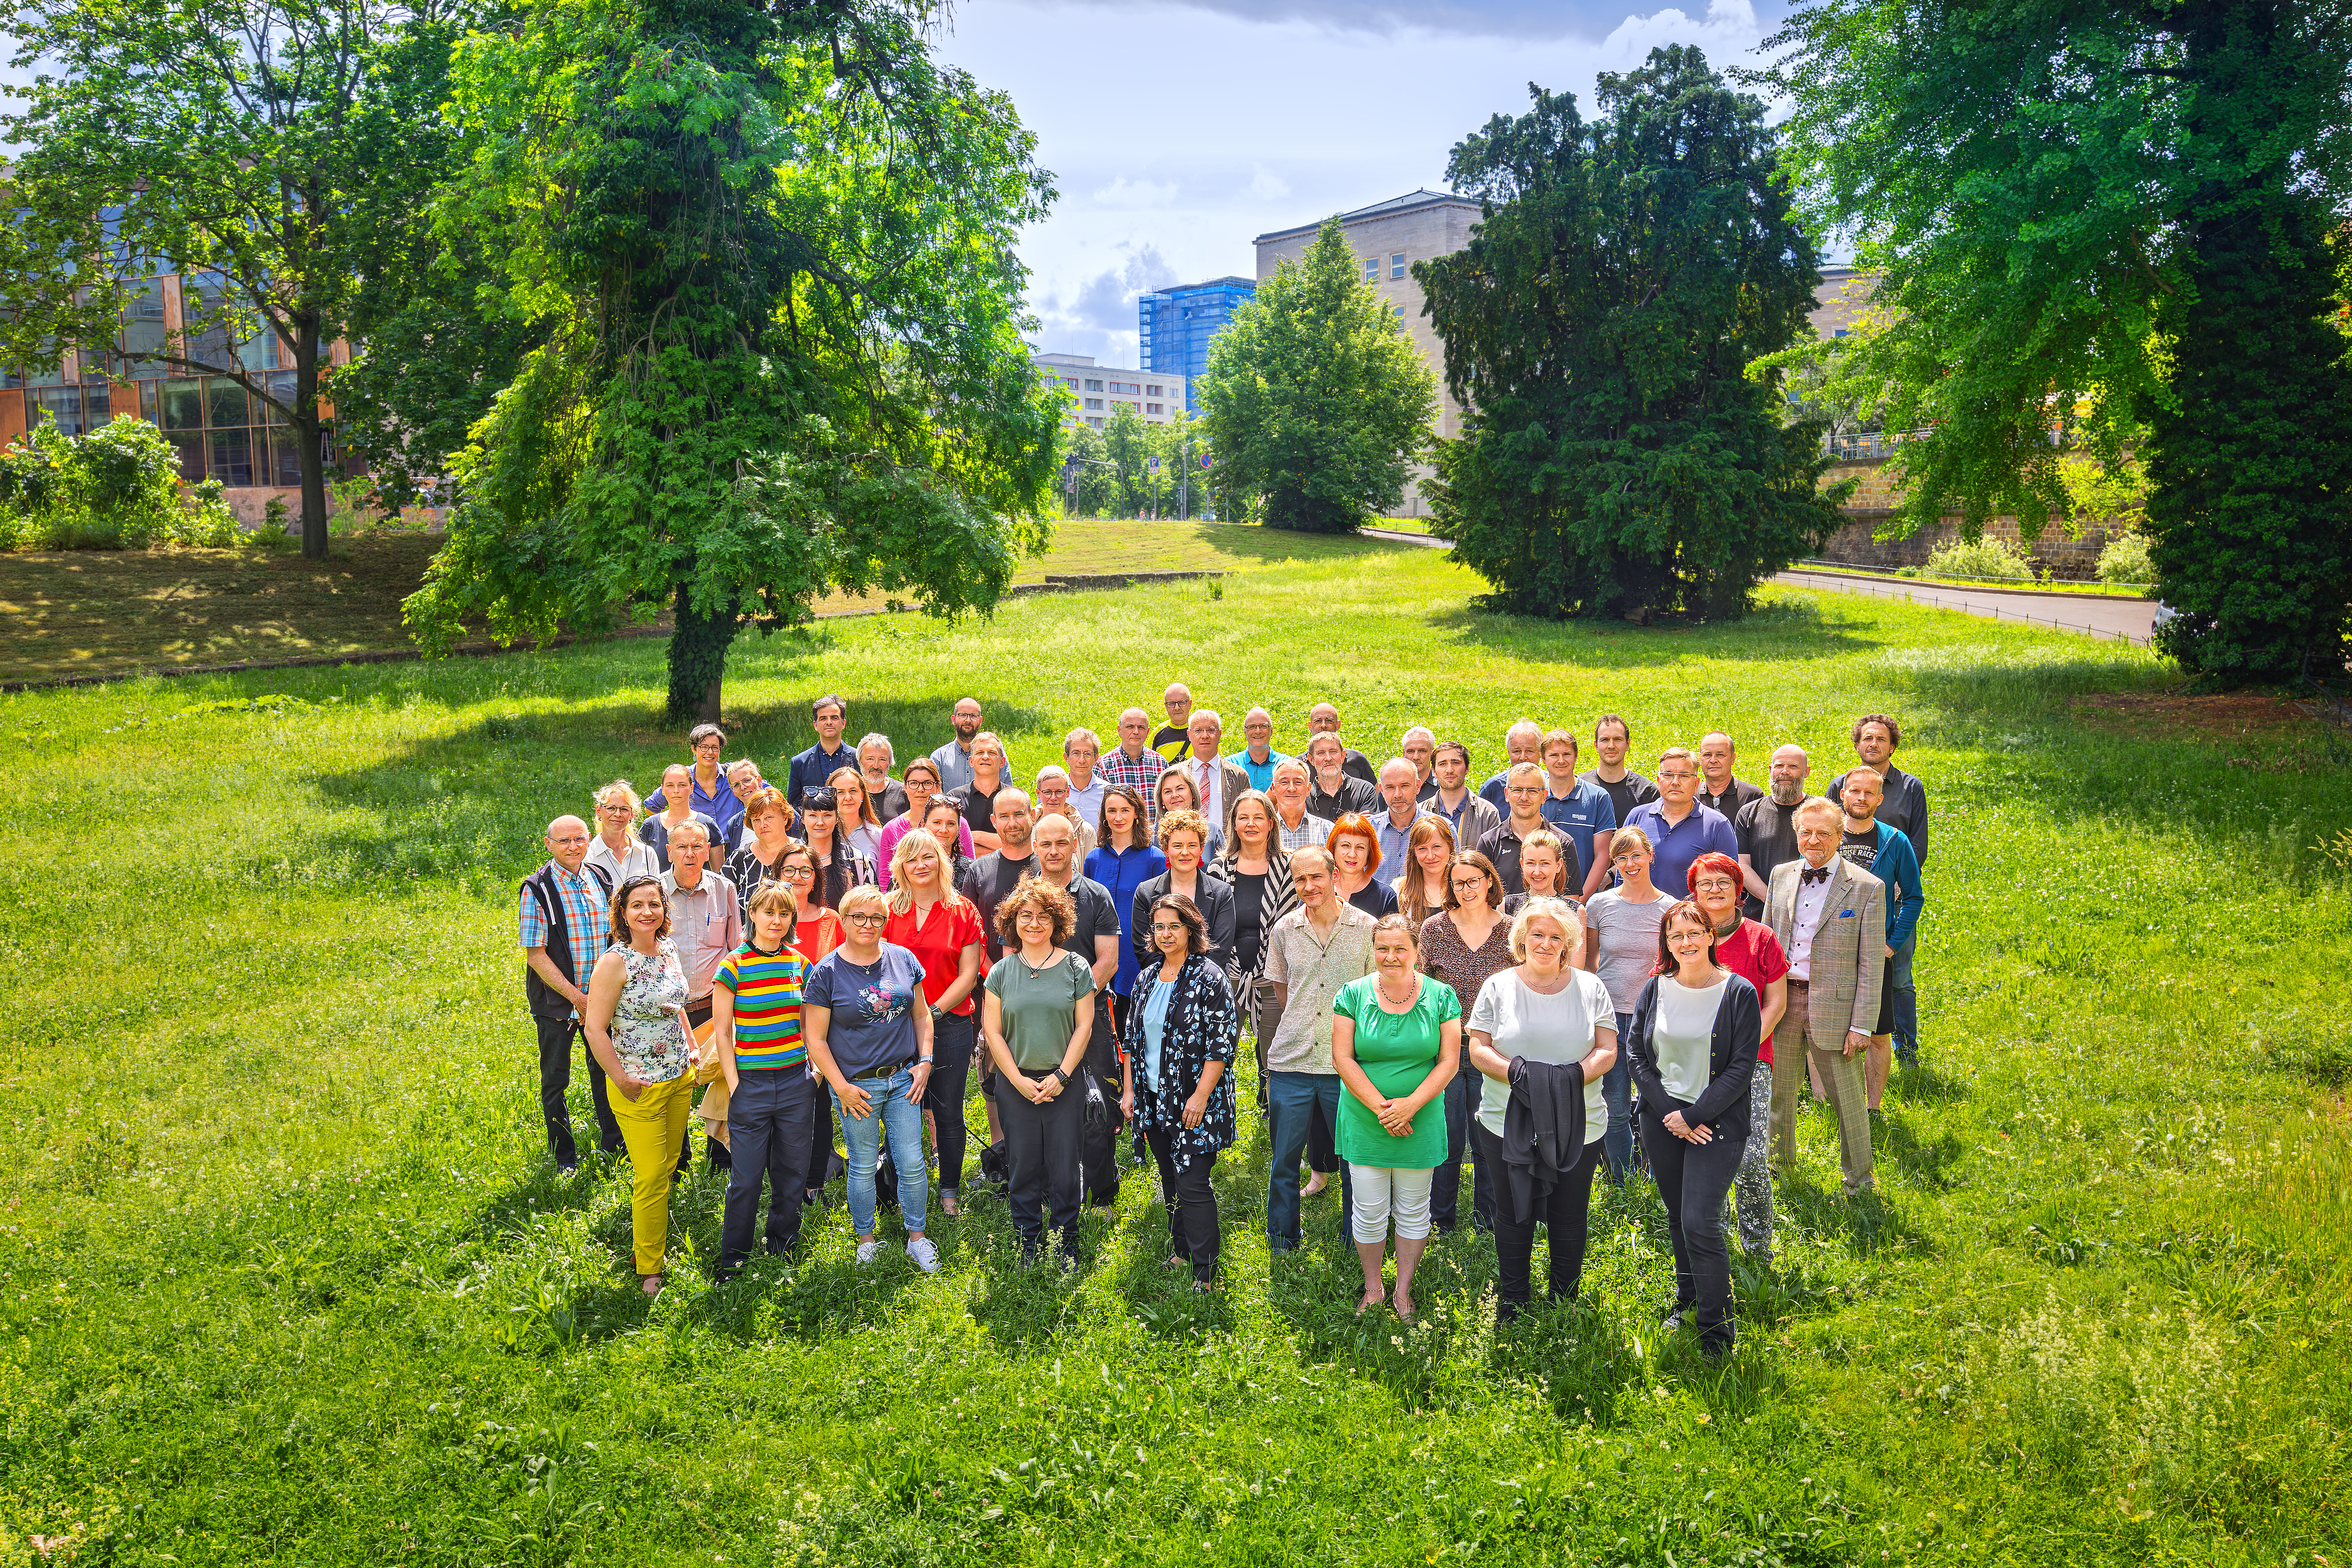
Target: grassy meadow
(286, 1276)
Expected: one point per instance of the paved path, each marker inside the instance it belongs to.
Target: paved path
(2128, 620)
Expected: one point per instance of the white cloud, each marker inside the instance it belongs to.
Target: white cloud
(1126, 192)
(1265, 186)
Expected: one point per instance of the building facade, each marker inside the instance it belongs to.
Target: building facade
(1099, 392)
(1176, 324)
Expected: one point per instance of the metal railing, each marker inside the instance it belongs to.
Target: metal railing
(2028, 584)
(1996, 612)
(1863, 446)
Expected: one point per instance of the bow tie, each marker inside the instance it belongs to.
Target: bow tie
(1809, 876)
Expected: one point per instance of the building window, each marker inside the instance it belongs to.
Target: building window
(1150, 392)
(223, 432)
(1154, 408)
(1094, 402)
(1396, 265)
(1094, 386)
(1095, 424)
(1371, 269)
(75, 410)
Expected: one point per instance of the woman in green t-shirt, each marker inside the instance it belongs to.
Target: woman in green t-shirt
(1038, 1012)
(1396, 1037)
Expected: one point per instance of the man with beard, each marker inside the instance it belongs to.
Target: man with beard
(1766, 827)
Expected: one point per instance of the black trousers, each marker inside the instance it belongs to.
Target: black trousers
(1564, 1212)
(1693, 1179)
(943, 1096)
(1099, 1158)
(769, 1123)
(555, 1038)
(1040, 1157)
(1193, 1231)
(1461, 1106)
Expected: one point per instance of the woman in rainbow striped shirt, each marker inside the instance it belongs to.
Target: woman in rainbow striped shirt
(755, 1014)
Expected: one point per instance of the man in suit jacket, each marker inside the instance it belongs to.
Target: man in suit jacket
(1217, 780)
(1831, 917)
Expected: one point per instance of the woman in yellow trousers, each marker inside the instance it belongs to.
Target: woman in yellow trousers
(635, 1022)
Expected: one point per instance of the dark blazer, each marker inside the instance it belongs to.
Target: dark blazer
(1202, 1027)
(1215, 901)
(1722, 1106)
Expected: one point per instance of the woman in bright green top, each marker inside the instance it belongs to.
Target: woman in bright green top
(1396, 1035)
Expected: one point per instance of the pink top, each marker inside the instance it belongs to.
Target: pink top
(896, 829)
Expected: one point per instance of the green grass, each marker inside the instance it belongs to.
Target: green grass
(119, 612)
(285, 1277)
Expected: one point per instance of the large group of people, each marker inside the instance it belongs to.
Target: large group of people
(1559, 975)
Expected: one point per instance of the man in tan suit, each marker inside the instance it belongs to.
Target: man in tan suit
(1831, 917)
(1217, 780)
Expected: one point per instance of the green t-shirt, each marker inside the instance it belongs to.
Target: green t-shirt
(1041, 1010)
(1396, 1051)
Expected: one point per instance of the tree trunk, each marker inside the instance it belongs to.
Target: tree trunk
(311, 430)
(698, 657)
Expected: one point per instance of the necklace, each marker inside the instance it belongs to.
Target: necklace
(1405, 1000)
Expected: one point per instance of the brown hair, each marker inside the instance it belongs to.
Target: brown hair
(1174, 822)
(1196, 930)
(769, 895)
(1684, 909)
(1477, 862)
(617, 929)
(1139, 832)
(1036, 892)
(1413, 888)
(769, 799)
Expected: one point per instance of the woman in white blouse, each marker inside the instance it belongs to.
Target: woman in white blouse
(1542, 1010)
(1695, 1031)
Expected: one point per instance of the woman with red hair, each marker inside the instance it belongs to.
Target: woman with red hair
(1355, 846)
(1749, 949)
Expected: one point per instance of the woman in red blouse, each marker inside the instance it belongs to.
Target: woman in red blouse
(1749, 949)
(941, 928)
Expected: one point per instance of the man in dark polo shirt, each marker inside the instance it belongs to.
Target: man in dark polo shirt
(1624, 789)
(1523, 793)
(1095, 937)
(997, 873)
(1717, 790)
(1323, 718)
(1766, 828)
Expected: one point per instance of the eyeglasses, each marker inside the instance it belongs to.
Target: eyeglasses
(1162, 928)
(796, 873)
(1676, 778)
(1476, 880)
(868, 920)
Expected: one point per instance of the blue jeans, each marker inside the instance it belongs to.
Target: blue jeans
(1907, 1001)
(889, 1114)
(1292, 1101)
(1617, 1094)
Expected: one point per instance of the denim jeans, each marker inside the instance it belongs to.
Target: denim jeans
(1461, 1103)
(1617, 1094)
(1906, 1003)
(891, 1115)
(773, 1135)
(1294, 1101)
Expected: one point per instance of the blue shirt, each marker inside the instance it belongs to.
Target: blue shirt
(1121, 872)
(1491, 792)
(871, 1032)
(1396, 845)
(1897, 865)
(812, 767)
(1704, 831)
(1261, 775)
(1155, 1025)
(1578, 815)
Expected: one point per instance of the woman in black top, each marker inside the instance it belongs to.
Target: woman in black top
(1355, 846)
(839, 867)
(1255, 867)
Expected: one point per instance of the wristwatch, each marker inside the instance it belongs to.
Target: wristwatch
(1064, 1076)
(924, 1061)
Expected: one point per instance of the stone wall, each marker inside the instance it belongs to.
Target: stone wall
(1872, 507)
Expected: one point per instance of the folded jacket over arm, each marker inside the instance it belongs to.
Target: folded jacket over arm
(1543, 1134)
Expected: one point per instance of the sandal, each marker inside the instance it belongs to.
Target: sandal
(651, 1284)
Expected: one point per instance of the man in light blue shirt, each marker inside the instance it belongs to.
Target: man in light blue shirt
(1679, 829)
(955, 758)
(1258, 755)
(1400, 788)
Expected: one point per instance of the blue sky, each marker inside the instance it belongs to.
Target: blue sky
(1180, 133)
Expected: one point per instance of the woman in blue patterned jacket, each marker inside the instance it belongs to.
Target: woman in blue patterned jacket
(1180, 1028)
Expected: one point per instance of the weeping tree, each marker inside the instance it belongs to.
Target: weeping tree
(771, 249)
(1616, 458)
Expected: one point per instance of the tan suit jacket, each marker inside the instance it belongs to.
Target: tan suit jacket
(1849, 956)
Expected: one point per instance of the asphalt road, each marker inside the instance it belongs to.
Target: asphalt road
(2131, 620)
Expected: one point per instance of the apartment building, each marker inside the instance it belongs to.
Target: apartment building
(1174, 326)
(1099, 392)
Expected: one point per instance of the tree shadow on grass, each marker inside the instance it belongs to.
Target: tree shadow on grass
(1933, 1162)
(1777, 632)
(1588, 1365)
(1158, 1286)
(1867, 1225)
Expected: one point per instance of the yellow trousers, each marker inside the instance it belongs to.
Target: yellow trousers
(652, 1125)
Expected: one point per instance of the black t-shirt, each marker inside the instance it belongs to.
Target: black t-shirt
(1861, 849)
(1355, 764)
(890, 802)
(1767, 836)
(1097, 916)
(1354, 794)
(1735, 797)
(1627, 793)
(1170, 741)
(992, 878)
(1249, 927)
(1502, 847)
(978, 810)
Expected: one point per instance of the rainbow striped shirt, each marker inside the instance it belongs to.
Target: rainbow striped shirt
(767, 991)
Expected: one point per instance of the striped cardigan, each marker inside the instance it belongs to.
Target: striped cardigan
(1279, 894)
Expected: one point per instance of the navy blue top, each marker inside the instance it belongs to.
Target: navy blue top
(1121, 872)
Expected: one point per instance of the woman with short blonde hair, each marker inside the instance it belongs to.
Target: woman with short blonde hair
(941, 928)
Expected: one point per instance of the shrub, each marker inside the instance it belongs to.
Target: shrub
(117, 488)
(2125, 559)
(1985, 558)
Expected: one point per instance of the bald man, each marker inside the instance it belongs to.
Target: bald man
(1323, 718)
(1172, 738)
(565, 912)
(1132, 764)
(1717, 789)
(1258, 755)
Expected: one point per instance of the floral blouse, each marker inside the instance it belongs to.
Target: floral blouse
(1200, 1027)
(649, 1040)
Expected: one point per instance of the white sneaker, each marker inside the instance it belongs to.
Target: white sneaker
(867, 1251)
(923, 1255)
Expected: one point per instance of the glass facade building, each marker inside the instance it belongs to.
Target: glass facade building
(1176, 324)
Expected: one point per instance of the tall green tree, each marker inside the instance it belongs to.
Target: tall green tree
(771, 249)
(251, 146)
(1615, 457)
(2096, 229)
(1315, 399)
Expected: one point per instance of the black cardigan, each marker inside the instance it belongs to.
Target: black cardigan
(1213, 898)
(1731, 1058)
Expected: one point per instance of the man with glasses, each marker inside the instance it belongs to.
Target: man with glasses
(1523, 792)
(1133, 766)
(1522, 742)
(1258, 755)
(1679, 829)
(564, 914)
(954, 759)
(1081, 750)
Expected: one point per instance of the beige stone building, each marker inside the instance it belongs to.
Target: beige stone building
(1098, 391)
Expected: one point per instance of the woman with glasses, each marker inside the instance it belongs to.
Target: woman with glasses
(1465, 945)
(1039, 1013)
(941, 928)
(1749, 949)
(870, 1033)
(922, 786)
(1178, 1077)
(816, 931)
(616, 848)
(636, 1024)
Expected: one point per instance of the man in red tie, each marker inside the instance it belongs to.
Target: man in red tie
(1218, 781)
